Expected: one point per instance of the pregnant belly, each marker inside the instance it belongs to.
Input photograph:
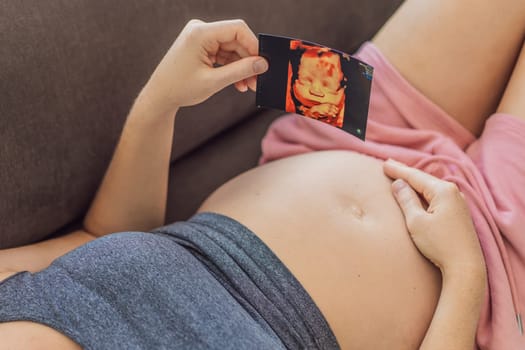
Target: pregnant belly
(332, 220)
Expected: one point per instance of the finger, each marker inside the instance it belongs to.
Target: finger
(241, 86)
(407, 199)
(225, 57)
(237, 71)
(252, 83)
(422, 182)
(234, 30)
(235, 47)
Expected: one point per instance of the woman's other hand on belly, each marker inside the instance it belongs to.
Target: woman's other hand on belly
(442, 228)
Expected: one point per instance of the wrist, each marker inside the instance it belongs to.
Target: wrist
(154, 103)
(471, 262)
(466, 273)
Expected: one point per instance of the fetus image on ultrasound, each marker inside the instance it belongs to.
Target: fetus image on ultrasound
(316, 83)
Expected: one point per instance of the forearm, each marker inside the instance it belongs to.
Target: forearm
(456, 317)
(133, 192)
(132, 195)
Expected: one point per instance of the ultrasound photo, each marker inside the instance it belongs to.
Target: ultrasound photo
(315, 81)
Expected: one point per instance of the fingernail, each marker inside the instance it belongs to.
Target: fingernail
(260, 66)
(398, 185)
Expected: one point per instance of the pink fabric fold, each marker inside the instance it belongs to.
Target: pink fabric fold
(405, 125)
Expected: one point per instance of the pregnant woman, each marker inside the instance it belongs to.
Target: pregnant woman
(330, 249)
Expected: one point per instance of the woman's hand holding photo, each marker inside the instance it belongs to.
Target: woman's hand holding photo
(205, 58)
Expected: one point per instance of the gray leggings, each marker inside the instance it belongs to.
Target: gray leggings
(208, 283)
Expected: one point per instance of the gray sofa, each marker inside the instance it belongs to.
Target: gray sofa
(70, 70)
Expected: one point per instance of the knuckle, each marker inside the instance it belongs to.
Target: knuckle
(242, 25)
(240, 22)
(195, 21)
(449, 188)
(194, 27)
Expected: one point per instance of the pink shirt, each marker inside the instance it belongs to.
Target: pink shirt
(404, 125)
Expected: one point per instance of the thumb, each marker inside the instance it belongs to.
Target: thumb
(407, 199)
(239, 70)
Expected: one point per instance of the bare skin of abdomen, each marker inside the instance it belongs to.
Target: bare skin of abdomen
(332, 220)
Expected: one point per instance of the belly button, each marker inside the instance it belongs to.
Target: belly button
(346, 205)
(357, 211)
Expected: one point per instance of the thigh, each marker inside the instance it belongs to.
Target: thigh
(513, 101)
(460, 54)
(30, 335)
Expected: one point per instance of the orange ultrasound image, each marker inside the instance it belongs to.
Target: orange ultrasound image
(316, 83)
